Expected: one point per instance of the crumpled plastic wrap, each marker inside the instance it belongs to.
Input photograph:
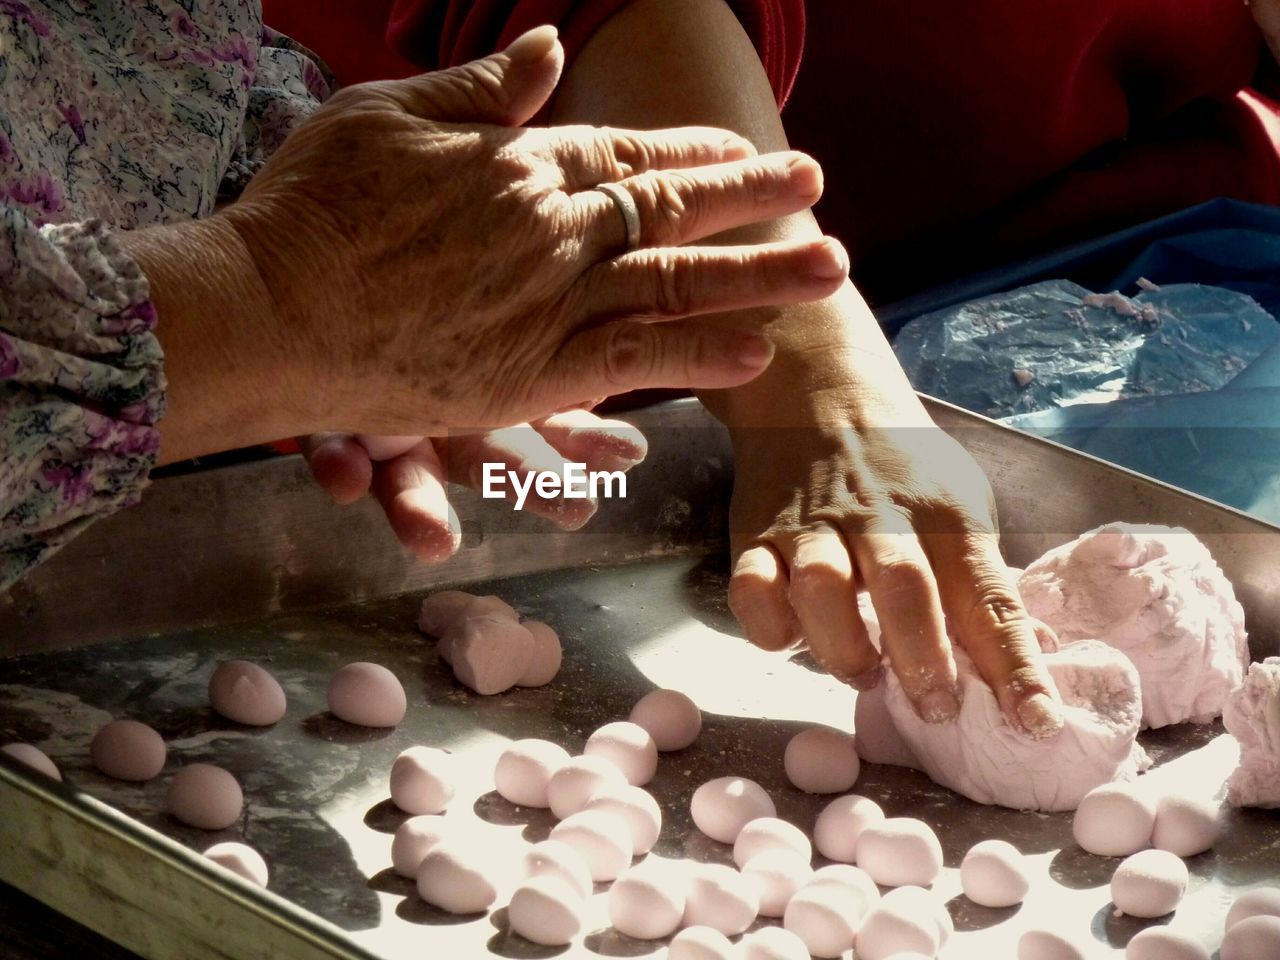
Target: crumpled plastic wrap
(1055, 344)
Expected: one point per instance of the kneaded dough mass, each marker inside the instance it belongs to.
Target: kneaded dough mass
(1252, 716)
(1157, 595)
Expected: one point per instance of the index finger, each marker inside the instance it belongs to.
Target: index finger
(591, 155)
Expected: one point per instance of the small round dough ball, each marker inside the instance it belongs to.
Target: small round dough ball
(32, 757)
(700, 943)
(637, 808)
(840, 824)
(422, 780)
(828, 915)
(1186, 825)
(1114, 820)
(547, 655)
(442, 610)
(244, 692)
(546, 910)
(1263, 902)
(524, 769)
(241, 859)
(778, 875)
(821, 760)
(853, 877)
(388, 447)
(202, 795)
(557, 859)
(1047, 945)
(627, 746)
(602, 839)
(900, 851)
(722, 898)
(773, 943)
(413, 839)
(908, 919)
(577, 780)
(1254, 938)
(672, 719)
(368, 695)
(1158, 943)
(457, 876)
(1149, 884)
(909, 955)
(994, 874)
(646, 903)
(769, 833)
(128, 750)
(488, 653)
(720, 808)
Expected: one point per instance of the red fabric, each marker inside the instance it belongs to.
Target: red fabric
(953, 135)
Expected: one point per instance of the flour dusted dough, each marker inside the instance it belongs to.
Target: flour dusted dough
(1157, 595)
(1252, 716)
(983, 757)
(488, 653)
(246, 693)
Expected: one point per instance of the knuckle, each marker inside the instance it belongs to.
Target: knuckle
(811, 579)
(672, 284)
(900, 575)
(631, 355)
(672, 202)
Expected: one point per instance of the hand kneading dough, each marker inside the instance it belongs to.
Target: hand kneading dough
(840, 824)
(821, 760)
(769, 833)
(900, 851)
(1114, 820)
(547, 655)
(905, 919)
(773, 943)
(647, 903)
(32, 757)
(573, 785)
(367, 694)
(603, 840)
(241, 859)
(980, 755)
(1252, 716)
(202, 795)
(1157, 943)
(422, 780)
(875, 736)
(720, 808)
(244, 692)
(458, 877)
(546, 910)
(627, 746)
(128, 750)
(1047, 945)
(1186, 825)
(413, 839)
(672, 719)
(994, 874)
(1157, 595)
(1149, 884)
(523, 771)
(1253, 939)
(700, 943)
(1263, 902)
(557, 859)
(488, 653)
(635, 807)
(720, 897)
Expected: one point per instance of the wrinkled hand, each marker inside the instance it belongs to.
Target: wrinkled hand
(411, 487)
(902, 512)
(433, 268)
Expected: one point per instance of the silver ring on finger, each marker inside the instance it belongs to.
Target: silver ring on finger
(626, 204)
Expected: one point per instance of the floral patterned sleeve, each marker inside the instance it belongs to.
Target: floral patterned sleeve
(114, 116)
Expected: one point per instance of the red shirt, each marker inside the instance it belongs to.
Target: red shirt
(953, 135)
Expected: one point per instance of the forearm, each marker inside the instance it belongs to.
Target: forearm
(675, 62)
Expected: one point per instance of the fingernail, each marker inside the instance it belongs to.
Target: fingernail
(532, 45)
(806, 175)
(835, 265)
(938, 706)
(867, 679)
(1040, 716)
(754, 351)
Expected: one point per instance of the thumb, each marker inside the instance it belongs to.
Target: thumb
(505, 88)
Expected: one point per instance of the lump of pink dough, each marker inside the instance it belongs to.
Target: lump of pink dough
(458, 877)
(1253, 939)
(672, 719)
(821, 760)
(128, 750)
(1149, 884)
(720, 897)
(557, 859)
(769, 833)
(1039, 944)
(1252, 716)
(647, 903)
(875, 736)
(1186, 825)
(602, 839)
(368, 695)
(244, 692)
(982, 756)
(840, 824)
(772, 943)
(905, 919)
(547, 655)
(627, 746)
(488, 653)
(720, 808)
(828, 915)
(241, 859)
(32, 757)
(422, 780)
(1263, 902)
(413, 839)
(1157, 595)
(547, 911)
(900, 851)
(576, 781)
(637, 808)
(386, 446)
(442, 610)
(700, 943)
(1114, 820)
(778, 875)
(848, 876)
(202, 795)
(994, 874)
(524, 769)
(1157, 943)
